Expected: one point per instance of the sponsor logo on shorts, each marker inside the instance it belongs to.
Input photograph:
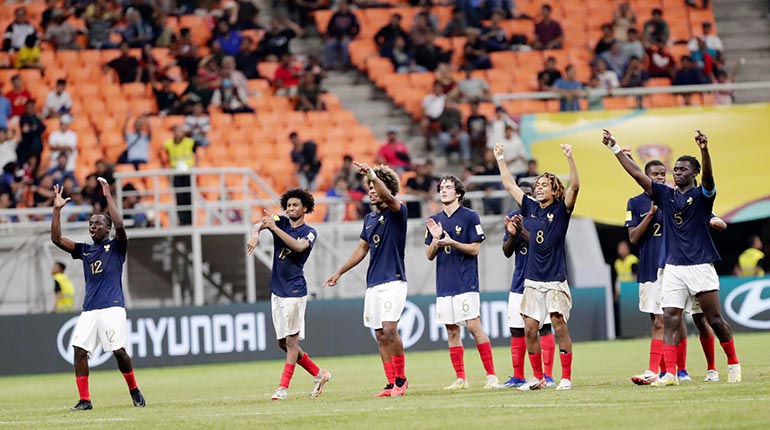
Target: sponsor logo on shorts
(748, 306)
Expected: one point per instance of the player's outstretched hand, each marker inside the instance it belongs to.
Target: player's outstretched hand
(105, 185)
(251, 245)
(499, 150)
(435, 229)
(701, 139)
(608, 139)
(567, 149)
(332, 281)
(58, 200)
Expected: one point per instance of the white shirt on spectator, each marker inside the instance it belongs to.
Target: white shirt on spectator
(515, 154)
(197, 125)
(64, 138)
(7, 152)
(712, 42)
(609, 79)
(496, 130)
(57, 103)
(433, 105)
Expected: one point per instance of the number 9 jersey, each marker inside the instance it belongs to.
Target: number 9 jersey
(651, 257)
(547, 232)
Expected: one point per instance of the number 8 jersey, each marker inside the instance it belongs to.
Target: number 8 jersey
(547, 231)
(103, 267)
(651, 257)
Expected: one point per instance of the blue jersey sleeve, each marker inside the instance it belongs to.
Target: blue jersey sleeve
(311, 235)
(428, 237)
(659, 193)
(475, 232)
(77, 253)
(709, 194)
(528, 206)
(632, 215)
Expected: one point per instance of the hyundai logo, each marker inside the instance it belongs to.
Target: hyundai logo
(66, 350)
(752, 305)
(410, 326)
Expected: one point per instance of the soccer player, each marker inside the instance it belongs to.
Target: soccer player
(516, 239)
(292, 242)
(383, 237)
(453, 238)
(689, 277)
(103, 320)
(546, 291)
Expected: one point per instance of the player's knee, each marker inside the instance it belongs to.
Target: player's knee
(545, 330)
(715, 320)
(80, 353)
(517, 332)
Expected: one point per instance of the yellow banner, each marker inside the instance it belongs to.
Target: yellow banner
(739, 143)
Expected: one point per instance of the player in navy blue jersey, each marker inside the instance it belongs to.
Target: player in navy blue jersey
(689, 278)
(453, 238)
(103, 320)
(546, 292)
(383, 237)
(515, 241)
(292, 242)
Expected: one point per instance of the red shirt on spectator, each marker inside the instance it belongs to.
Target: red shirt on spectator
(660, 63)
(286, 76)
(394, 154)
(18, 100)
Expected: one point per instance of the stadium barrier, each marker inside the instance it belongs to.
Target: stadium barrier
(745, 305)
(218, 334)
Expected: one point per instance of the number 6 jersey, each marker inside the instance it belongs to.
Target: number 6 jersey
(547, 231)
(103, 267)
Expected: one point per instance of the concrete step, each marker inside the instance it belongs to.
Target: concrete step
(747, 28)
(745, 42)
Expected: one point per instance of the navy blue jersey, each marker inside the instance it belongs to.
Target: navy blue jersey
(457, 272)
(686, 227)
(288, 278)
(103, 268)
(651, 255)
(385, 232)
(520, 258)
(547, 231)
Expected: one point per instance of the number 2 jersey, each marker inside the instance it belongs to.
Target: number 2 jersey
(547, 232)
(651, 255)
(288, 279)
(103, 268)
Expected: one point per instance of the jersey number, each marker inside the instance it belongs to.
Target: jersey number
(678, 219)
(96, 267)
(284, 253)
(376, 240)
(656, 229)
(447, 249)
(466, 306)
(110, 335)
(540, 237)
(523, 250)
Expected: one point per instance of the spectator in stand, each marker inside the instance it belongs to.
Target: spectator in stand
(167, 101)
(229, 38)
(515, 155)
(401, 57)
(607, 78)
(8, 145)
(303, 9)
(531, 173)
(569, 88)
(705, 58)
(133, 209)
(43, 192)
(394, 153)
(60, 33)
(426, 11)
(429, 56)
(197, 92)
(607, 40)
(623, 21)
(308, 95)
(64, 141)
(286, 77)
(688, 74)
(616, 59)
(138, 31)
(18, 96)
(725, 97)
(137, 150)
(45, 17)
(633, 46)
(247, 59)
(422, 186)
(659, 62)
(125, 66)
(17, 31)
(185, 52)
(197, 125)
(656, 29)
(304, 155)
(229, 71)
(548, 33)
(595, 101)
(457, 25)
(476, 125)
(473, 89)
(28, 56)
(496, 127)
(60, 169)
(314, 67)
(635, 76)
(494, 37)
(343, 28)
(448, 83)
(150, 67)
(349, 172)
(488, 167)
(32, 129)
(210, 70)
(387, 35)
(420, 31)
(179, 153)
(99, 22)
(338, 192)
(275, 43)
(713, 42)
(231, 99)
(474, 53)
(5, 110)
(432, 107)
(58, 102)
(549, 75)
(452, 137)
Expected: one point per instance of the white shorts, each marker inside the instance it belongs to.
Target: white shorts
(458, 309)
(105, 326)
(288, 316)
(650, 295)
(384, 302)
(682, 283)
(540, 299)
(515, 320)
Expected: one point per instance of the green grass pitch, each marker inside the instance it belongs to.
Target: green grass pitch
(237, 396)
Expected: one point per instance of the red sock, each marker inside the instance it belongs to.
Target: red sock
(536, 361)
(389, 372)
(82, 382)
(669, 354)
(518, 347)
(288, 372)
(662, 360)
(130, 380)
(656, 355)
(456, 354)
(399, 363)
(681, 355)
(708, 350)
(566, 365)
(729, 347)
(548, 345)
(485, 351)
(309, 365)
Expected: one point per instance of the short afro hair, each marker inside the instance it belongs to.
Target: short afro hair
(652, 163)
(304, 196)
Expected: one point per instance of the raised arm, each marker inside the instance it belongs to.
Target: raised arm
(636, 232)
(382, 191)
(628, 164)
(358, 254)
(707, 175)
(64, 243)
(112, 209)
(571, 193)
(505, 175)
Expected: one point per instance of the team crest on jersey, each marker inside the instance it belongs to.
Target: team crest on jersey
(382, 219)
(107, 248)
(689, 200)
(550, 217)
(458, 229)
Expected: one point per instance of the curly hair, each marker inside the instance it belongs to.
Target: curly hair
(389, 177)
(694, 163)
(458, 184)
(556, 186)
(304, 196)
